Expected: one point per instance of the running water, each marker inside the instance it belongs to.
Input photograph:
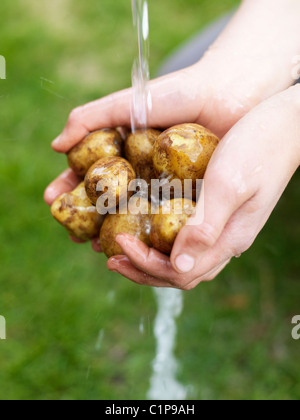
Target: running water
(164, 385)
(141, 98)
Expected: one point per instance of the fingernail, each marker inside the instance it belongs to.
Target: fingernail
(185, 263)
(56, 141)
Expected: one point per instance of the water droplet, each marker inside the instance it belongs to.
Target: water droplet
(99, 340)
(142, 325)
(111, 295)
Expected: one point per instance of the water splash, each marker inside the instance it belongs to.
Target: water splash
(163, 384)
(141, 98)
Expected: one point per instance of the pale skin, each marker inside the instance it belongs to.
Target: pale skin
(241, 91)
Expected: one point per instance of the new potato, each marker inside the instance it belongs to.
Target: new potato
(76, 213)
(139, 152)
(110, 176)
(138, 225)
(172, 216)
(183, 152)
(97, 145)
(180, 153)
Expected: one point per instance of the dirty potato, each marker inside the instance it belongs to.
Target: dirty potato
(183, 152)
(97, 145)
(139, 152)
(109, 177)
(166, 224)
(138, 225)
(76, 213)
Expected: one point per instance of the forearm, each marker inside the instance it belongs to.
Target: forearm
(254, 57)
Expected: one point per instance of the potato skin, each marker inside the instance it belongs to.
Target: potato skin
(183, 152)
(137, 225)
(108, 170)
(95, 146)
(139, 152)
(75, 212)
(165, 227)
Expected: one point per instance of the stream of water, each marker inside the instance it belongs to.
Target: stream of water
(141, 97)
(163, 383)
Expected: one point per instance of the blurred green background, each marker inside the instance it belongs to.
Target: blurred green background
(74, 328)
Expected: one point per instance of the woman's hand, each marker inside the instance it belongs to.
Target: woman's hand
(244, 181)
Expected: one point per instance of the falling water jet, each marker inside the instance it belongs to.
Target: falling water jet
(141, 98)
(163, 384)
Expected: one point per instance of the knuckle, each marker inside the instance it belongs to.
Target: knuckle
(204, 234)
(247, 243)
(75, 115)
(243, 246)
(181, 283)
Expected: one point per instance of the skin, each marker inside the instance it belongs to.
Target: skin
(251, 108)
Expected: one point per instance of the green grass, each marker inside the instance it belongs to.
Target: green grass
(73, 327)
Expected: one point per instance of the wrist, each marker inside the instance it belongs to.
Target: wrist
(254, 58)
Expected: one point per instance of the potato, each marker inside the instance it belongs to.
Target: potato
(165, 227)
(95, 146)
(183, 152)
(113, 174)
(75, 212)
(139, 152)
(138, 225)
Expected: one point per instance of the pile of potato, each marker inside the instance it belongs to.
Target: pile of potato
(181, 152)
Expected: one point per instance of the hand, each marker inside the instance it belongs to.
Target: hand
(216, 92)
(244, 181)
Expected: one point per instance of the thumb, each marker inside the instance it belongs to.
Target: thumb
(219, 200)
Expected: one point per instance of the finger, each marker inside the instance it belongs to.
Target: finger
(170, 105)
(211, 275)
(237, 236)
(145, 261)
(150, 260)
(122, 265)
(76, 240)
(96, 245)
(222, 195)
(111, 111)
(66, 182)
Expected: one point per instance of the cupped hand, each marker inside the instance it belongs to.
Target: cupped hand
(244, 181)
(177, 98)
